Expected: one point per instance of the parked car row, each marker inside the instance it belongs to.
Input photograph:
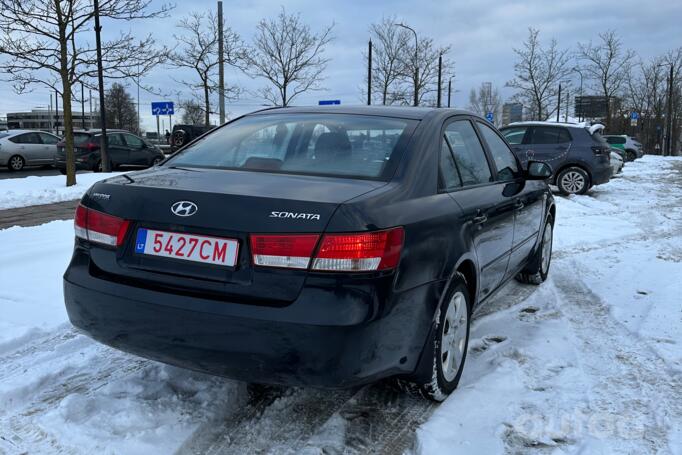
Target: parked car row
(19, 148)
(578, 154)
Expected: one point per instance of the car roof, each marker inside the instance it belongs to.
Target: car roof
(616, 135)
(99, 131)
(405, 112)
(14, 132)
(541, 123)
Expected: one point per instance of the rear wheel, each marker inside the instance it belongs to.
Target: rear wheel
(62, 171)
(538, 267)
(447, 344)
(573, 180)
(16, 163)
(630, 155)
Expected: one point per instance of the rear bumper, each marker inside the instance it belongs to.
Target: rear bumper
(601, 175)
(82, 163)
(291, 345)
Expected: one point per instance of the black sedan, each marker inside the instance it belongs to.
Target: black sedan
(123, 149)
(328, 247)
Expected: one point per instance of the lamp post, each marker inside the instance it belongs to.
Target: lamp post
(449, 90)
(580, 92)
(416, 62)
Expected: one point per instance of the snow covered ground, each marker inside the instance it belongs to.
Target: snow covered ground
(34, 190)
(589, 362)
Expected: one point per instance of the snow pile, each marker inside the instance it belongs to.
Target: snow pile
(22, 192)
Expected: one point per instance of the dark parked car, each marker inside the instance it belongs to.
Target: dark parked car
(184, 134)
(313, 246)
(580, 157)
(123, 149)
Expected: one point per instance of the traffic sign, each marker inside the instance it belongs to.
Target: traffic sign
(328, 102)
(634, 116)
(489, 116)
(162, 108)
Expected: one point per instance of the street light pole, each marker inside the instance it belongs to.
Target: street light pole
(558, 104)
(104, 156)
(416, 62)
(440, 70)
(577, 70)
(449, 90)
(221, 65)
(369, 73)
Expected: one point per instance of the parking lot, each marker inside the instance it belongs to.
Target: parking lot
(590, 361)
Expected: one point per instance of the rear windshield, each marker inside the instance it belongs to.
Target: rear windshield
(312, 144)
(80, 138)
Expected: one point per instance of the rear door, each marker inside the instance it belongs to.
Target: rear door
(117, 149)
(488, 214)
(29, 146)
(549, 144)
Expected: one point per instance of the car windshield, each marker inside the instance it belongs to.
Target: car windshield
(313, 144)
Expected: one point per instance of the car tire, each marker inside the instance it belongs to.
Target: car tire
(573, 180)
(537, 270)
(156, 161)
(630, 155)
(179, 139)
(62, 171)
(447, 344)
(16, 163)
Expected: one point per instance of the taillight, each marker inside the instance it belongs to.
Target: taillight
(288, 251)
(600, 150)
(99, 227)
(352, 252)
(90, 146)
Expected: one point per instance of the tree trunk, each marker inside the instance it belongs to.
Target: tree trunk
(284, 95)
(207, 117)
(66, 100)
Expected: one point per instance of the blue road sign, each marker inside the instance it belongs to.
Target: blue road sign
(162, 108)
(328, 102)
(489, 117)
(634, 115)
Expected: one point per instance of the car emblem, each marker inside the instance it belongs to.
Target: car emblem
(184, 208)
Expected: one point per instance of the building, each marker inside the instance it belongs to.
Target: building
(46, 120)
(3, 123)
(512, 112)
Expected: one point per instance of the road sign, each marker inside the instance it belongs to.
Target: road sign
(328, 102)
(162, 108)
(634, 115)
(633, 122)
(489, 116)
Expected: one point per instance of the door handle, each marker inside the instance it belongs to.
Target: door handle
(518, 205)
(480, 218)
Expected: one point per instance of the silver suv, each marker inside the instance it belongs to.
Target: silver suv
(630, 146)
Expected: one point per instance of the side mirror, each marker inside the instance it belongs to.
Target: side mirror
(538, 171)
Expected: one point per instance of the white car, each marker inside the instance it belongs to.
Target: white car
(19, 148)
(616, 163)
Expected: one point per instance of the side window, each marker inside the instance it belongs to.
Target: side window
(469, 156)
(564, 136)
(505, 161)
(133, 141)
(448, 170)
(27, 138)
(114, 139)
(515, 135)
(20, 139)
(48, 138)
(544, 135)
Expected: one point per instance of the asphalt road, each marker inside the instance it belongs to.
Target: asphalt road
(27, 171)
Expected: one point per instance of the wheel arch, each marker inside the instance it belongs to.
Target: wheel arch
(571, 164)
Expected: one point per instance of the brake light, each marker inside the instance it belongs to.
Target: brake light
(360, 252)
(288, 251)
(99, 227)
(600, 150)
(90, 146)
(352, 252)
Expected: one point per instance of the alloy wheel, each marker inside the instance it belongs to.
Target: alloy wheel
(16, 163)
(573, 182)
(453, 336)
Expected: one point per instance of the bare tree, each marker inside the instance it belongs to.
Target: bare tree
(537, 74)
(289, 55)
(121, 110)
(199, 52)
(486, 99)
(607, 65)
(192, 112)
(45, 44)
(388, 44)
(425, 81)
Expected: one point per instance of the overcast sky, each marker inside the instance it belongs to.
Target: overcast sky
(481, 35)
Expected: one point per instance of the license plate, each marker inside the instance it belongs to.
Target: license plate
(189, 247)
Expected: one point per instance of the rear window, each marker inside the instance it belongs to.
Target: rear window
(80, 138)
(312, 144)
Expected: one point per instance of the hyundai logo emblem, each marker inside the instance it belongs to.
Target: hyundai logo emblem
(184, 208)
